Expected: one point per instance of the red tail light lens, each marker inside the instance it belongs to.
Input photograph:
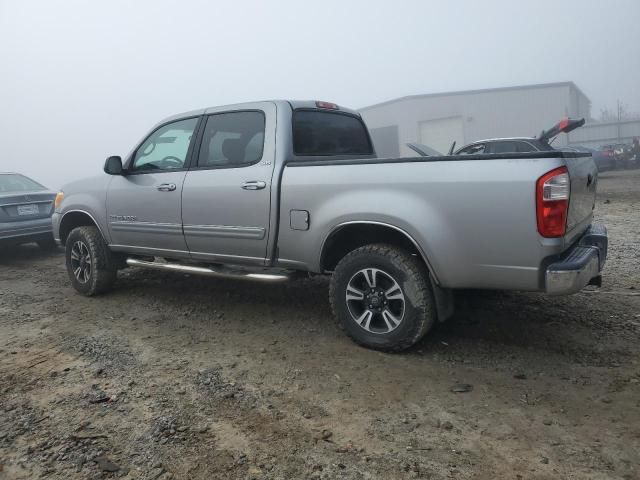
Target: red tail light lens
(552, 202)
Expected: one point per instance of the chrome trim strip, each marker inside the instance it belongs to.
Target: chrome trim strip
(147, 227)
(372, 222)
(225, 231)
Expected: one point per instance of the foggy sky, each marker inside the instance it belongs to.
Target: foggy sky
(81, 80)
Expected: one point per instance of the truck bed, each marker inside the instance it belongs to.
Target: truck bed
(473, 216)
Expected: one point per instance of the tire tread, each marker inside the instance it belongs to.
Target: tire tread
(104, 271)
(414, 269)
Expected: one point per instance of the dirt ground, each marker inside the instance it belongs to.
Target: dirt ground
(172, 376)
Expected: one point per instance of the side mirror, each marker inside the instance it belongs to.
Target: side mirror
(113, 165)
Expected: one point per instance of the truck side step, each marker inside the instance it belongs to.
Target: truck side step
(260, 275)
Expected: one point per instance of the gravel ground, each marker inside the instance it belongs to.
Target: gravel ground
(172, 376)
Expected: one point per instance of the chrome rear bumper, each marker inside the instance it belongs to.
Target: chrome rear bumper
(580, 264)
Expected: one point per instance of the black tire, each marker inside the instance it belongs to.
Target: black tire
(411, 277)
(47, 244)
(102, 270)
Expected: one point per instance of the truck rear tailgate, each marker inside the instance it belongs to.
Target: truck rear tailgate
(583, 175)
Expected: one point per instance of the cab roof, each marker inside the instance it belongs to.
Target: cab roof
(293, 104)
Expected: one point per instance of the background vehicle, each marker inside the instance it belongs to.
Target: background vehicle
(603, 161)
(609, 157)
(542, 143)
(623, 154)
(605, 158)
(625, 157)
(619, 154)
(424, 150)
(223, 191)
(25, 211)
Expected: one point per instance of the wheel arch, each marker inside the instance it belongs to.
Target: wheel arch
(76, 218)
(348, 236)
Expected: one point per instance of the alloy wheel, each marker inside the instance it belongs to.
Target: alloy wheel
(375, 300)
(81, 261)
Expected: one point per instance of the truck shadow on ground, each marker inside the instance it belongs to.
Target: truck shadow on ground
(579, 328)
(17, 255)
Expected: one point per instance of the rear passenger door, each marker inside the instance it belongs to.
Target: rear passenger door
(226, 200)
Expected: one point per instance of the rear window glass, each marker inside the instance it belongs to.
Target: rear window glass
(329, 133)
(18, 183)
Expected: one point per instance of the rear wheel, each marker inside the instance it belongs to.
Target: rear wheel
(90, 265)
(381, 296)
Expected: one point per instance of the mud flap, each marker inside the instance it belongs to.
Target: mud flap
(445, 305)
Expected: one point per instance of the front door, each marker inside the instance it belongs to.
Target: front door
(227, 192)
(144, 205)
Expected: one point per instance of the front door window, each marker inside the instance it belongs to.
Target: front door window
(166, 148)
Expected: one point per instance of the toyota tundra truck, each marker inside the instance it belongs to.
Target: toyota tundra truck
(267, 191)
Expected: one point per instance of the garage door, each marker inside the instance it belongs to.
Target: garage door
(439, 134)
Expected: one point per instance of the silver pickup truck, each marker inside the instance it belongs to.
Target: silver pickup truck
(266, 191)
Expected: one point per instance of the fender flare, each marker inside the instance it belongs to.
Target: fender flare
(88, 215)
(337, 227)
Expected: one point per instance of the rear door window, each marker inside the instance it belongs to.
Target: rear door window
(475, 149)
(319, 133)
(525, 147)
(232, 139)
(504, 147)
(511, 146)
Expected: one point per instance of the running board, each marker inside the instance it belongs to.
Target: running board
(238, 273)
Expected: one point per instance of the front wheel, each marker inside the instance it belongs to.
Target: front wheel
(90, 264)
(382, 297)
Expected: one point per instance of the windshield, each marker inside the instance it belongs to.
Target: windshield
(10, 183)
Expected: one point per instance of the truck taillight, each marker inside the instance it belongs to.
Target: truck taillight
(552, 202)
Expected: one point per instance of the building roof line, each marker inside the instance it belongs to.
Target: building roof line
(473, 92)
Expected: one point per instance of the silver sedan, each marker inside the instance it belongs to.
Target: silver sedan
(25, 211)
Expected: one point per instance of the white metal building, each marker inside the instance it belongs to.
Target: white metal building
(599, 133)
(439, 119)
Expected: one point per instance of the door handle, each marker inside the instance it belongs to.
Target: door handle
(253, 185)
(166, 187)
